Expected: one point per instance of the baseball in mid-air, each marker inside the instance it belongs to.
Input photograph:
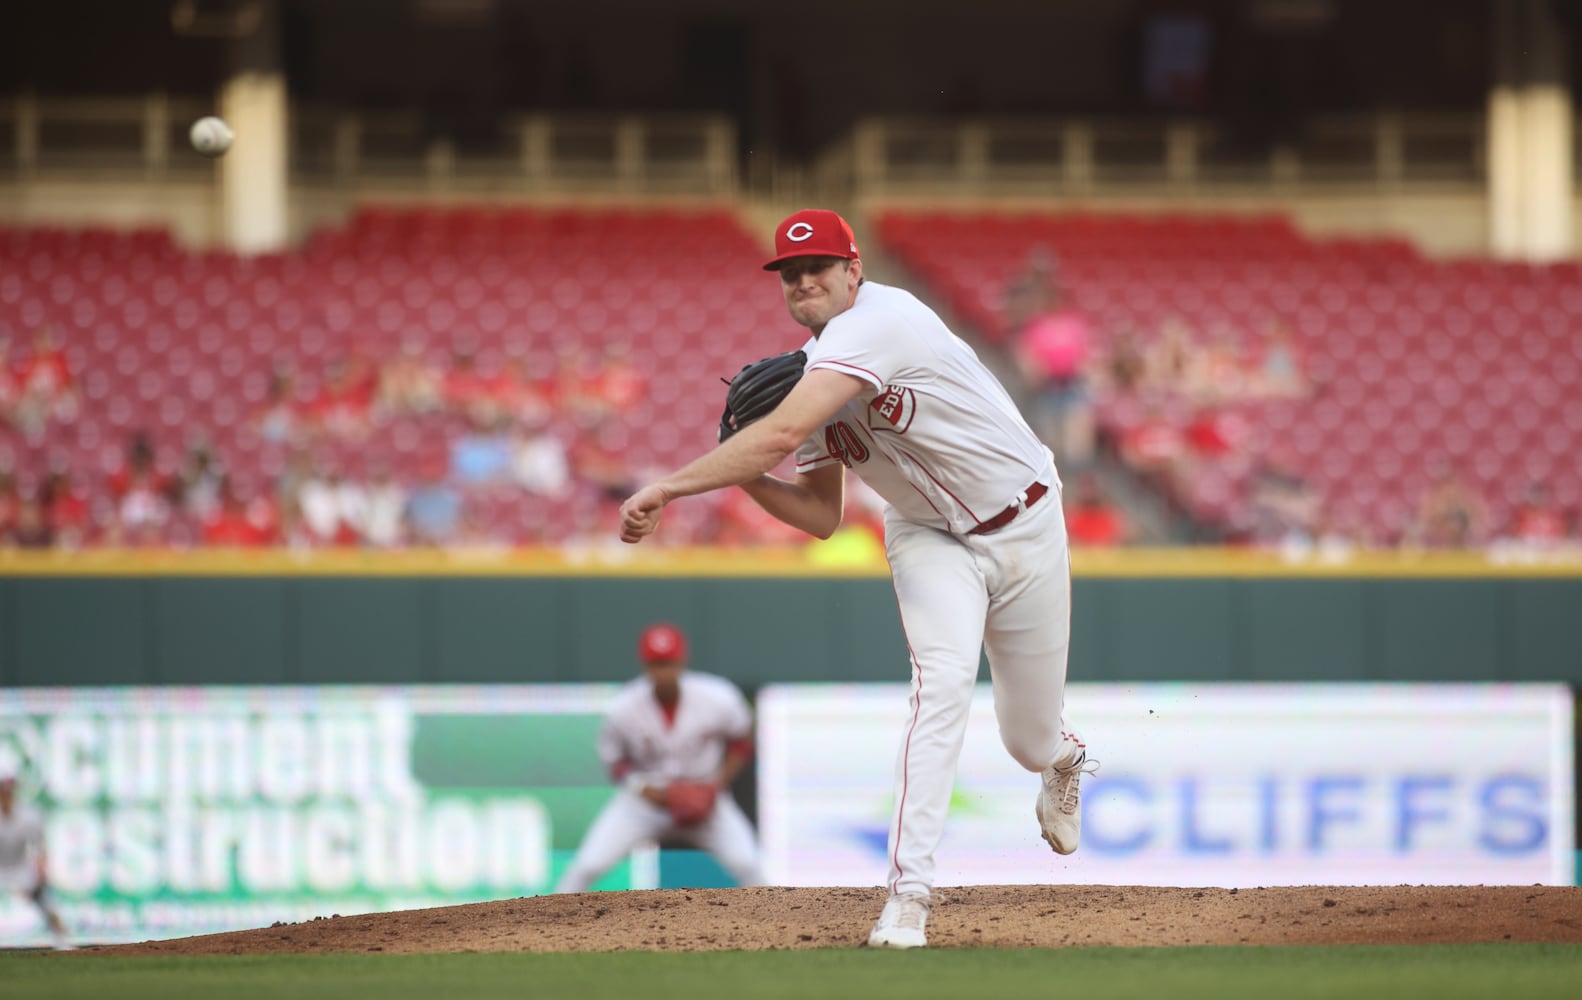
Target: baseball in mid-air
(210, 136)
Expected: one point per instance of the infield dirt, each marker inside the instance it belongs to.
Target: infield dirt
(990, 916)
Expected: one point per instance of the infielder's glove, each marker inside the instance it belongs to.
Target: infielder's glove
(690, 802)
(758, 388)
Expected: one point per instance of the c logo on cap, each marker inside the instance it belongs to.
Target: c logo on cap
(799, 231)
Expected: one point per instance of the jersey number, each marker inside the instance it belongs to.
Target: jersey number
(844, 444)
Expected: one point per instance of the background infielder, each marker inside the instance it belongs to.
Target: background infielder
(674, 741)
(977, 553)
(22, 854)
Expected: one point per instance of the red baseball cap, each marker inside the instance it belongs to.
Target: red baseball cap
(813, 232)
(662, 643)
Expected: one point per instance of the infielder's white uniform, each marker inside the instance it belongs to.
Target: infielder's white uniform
(21, 837)
(640, 746)
(941, 441)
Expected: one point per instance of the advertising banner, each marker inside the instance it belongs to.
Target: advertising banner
(1200, 785)
(177, 811)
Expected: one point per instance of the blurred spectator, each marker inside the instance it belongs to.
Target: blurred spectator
(1154, 444)
(434, 510)
(408, 383)
(1092, 519)
(332, 507)
(65, 510)
(277, 418)
(1052, 351)
(32, 531)
(482, 455)
(1216, 371)
(541, 464)
(740, 523)
(1284, 509)
(198, 482)
(45, 388)
(1171, 368)
(1279, 369)
(1450, 514)
(576, 391)
(598, 460)
(1124, 367)
(10, 390)
(1216, 432)
(293, 532)
(10, 503)
(140, 465)
(620, 385)
(464, 386)
(144, 509)
(384, 523)
(231, 525)
(1537, 524)
(343, 408)
(518, 394)
(1030, 294)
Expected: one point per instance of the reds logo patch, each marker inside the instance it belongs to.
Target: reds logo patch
(892, 410)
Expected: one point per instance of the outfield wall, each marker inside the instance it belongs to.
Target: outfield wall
(764, 618)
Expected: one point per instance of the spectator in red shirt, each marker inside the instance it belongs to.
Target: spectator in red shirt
(1092, 519)
(576, 390)
(344, 405)
(1537, 523)
(740, 523)
(46, 390)
(233, 525)
(1216, 432)
(141, 468)
(464, 384)
(621, 385)
(1154, 444)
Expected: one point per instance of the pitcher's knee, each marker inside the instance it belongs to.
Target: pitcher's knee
(1033, 754)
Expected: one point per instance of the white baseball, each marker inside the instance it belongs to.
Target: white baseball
(210, 136)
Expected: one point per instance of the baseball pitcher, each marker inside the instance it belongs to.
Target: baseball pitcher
(974, 529)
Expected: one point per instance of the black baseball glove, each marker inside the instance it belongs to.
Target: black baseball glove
(758, 388)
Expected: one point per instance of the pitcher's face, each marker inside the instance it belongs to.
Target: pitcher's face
(817, 289)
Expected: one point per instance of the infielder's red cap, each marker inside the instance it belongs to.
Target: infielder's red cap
(662, 643)
(813, 232)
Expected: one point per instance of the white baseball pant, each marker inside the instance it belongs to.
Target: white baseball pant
(629, 820)
(1008, 592)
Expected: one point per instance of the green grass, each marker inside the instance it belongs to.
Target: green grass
(1500, 971)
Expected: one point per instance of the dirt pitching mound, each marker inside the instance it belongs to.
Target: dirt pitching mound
(989, 916)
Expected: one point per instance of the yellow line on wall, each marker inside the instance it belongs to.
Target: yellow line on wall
(804, 562)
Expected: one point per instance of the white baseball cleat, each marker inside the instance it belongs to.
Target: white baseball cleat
(1060, 803)
(902, 922)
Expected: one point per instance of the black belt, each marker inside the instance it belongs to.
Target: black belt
(1035, 493)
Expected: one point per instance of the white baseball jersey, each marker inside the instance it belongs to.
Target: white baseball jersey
(21, 836)
(942, 442)
(636, 738)
(939, 438)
